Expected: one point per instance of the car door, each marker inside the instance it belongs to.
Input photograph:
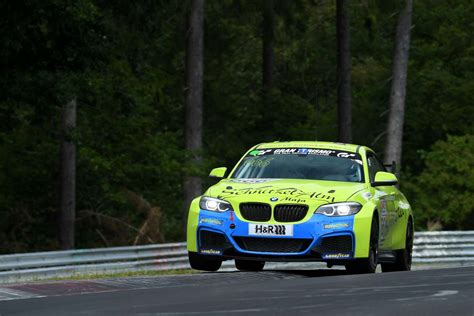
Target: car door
(386, 196)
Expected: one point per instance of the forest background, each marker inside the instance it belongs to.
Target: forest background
(124, 65)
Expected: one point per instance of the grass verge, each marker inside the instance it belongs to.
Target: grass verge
(122, 275)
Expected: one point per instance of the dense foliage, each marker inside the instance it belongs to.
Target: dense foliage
(124, 62)
(444, 191)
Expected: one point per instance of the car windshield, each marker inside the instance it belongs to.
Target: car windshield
(301, 163)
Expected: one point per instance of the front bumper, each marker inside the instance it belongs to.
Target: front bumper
(321, 238)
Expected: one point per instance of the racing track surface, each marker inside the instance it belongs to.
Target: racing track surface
(323, 292)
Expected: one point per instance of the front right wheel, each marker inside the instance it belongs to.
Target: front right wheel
(368, 265)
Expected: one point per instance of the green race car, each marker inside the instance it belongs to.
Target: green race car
(302, 201)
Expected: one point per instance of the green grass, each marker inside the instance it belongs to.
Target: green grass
(123, 275)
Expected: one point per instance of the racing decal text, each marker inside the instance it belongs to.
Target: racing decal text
(292, 192)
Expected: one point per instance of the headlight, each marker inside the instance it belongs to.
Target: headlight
(339, 209)
(214, 205)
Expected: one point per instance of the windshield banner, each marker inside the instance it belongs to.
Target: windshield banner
(303, 152)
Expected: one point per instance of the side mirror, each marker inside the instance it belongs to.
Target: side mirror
(383, 178)
(392, 168)
(218, 173)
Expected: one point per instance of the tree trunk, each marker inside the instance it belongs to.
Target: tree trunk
(68, 176)
(267, 52)
(344, 98)
(393, 146)
(194, 100)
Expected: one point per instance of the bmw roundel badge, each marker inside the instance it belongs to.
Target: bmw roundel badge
(273, 199)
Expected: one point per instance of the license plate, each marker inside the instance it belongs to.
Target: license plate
(270, 230)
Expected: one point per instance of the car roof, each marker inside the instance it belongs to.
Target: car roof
(311, 144)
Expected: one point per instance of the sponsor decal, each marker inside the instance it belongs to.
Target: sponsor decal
(249, 181)
(211, 251)
(383, 206)
(303, 151)
(341, 255)
(400, 212)
(321, 152)
(288, 192)
(295, 200)
(286, 151)
(259, 152)
(212, 221)
(270, 230)
(336, 225)
(384, 219)
(345, 155)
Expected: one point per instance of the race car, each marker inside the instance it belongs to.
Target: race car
(303, 201)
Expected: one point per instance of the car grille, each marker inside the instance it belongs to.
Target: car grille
(281, 245)
(335, 244)
(290, 212)
(257, 212)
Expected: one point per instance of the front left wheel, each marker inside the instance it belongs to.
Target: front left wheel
(204, 262)
(368, 265)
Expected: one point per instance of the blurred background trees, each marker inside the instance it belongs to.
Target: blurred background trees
(344, 69)
(192, 185)
(124, 63)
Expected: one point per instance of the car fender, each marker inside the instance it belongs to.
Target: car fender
(362, 226)
(193, 219)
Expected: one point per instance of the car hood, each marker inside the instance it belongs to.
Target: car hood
(310, 192)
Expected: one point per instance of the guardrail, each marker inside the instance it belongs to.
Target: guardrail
(430, 248)
(62, 264)
(444, 247)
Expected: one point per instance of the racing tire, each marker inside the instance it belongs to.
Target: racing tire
(249, 265)
(367, 265)
(403, 257)
(204, 262)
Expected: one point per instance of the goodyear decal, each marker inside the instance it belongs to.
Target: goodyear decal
(215, 252)
(341, 255)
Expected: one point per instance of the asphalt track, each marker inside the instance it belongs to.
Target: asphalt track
(319, 292)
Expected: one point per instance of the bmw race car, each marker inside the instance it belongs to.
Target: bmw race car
(302, 201)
